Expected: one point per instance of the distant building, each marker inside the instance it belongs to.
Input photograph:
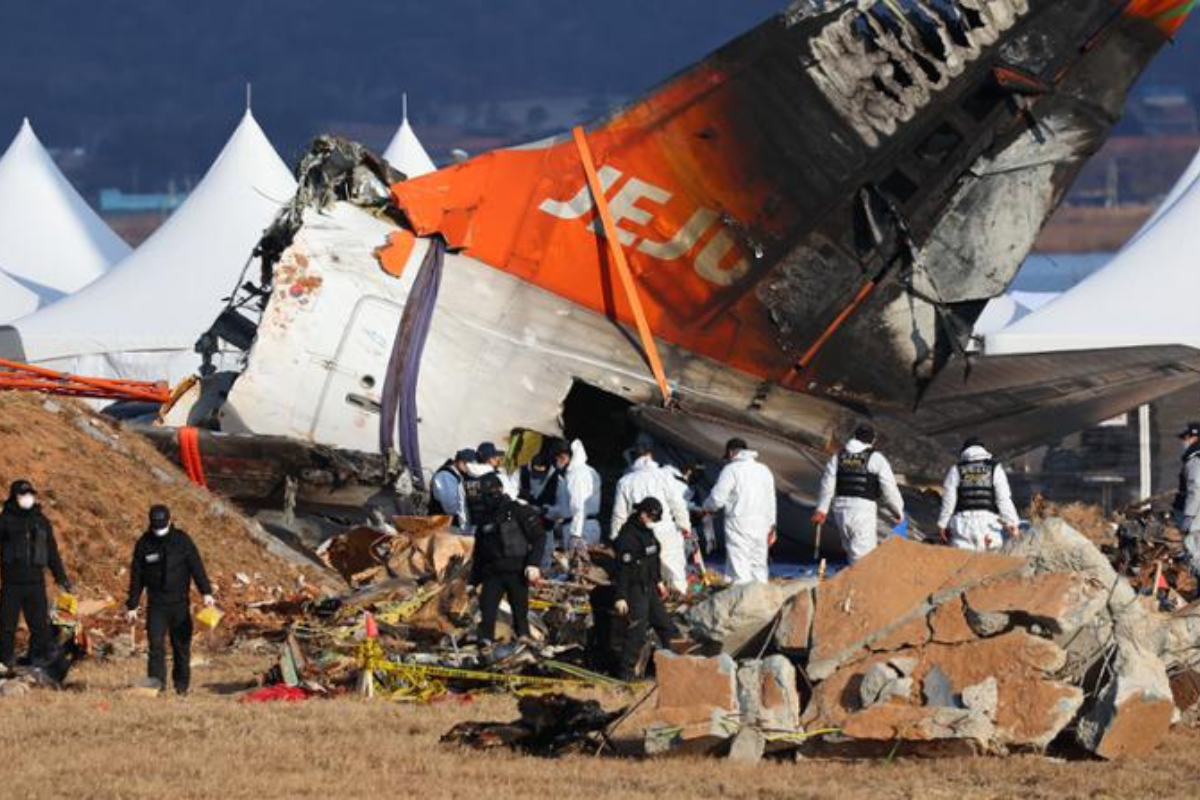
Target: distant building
(115, 201)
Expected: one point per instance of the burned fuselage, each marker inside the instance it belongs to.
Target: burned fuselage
(815, 215)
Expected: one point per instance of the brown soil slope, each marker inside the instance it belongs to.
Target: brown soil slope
(96, 481)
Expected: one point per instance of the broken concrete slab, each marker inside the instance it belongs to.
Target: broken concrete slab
(795, 623)
(948, 623)
(689, 681)
(882, 682)
(767, 694)
(733, 617)
(887, 591)
(1056, 602)
(912, 634)
(893, 722)
(748, 746)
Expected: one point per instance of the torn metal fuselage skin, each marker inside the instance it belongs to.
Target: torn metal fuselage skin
(815, 215)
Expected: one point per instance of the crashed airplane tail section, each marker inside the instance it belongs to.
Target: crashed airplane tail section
(891, 160)
(813, 216)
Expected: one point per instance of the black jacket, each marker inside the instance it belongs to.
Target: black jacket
(165, 567)
(637, 560)
(508, 541)
(27, 546)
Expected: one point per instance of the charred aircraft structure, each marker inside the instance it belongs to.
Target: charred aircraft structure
(814, 217)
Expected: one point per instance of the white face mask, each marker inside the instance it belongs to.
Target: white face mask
(162, 531)
(26, 501)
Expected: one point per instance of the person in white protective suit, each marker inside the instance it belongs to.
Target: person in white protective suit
(646, 478)
(855, 481)
(576, 507)
(1187, 499)
(745, 491)
(977, 506)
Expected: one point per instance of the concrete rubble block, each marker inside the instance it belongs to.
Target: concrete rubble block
(1131, 713)
(893, 722)
(748, 746)
(983, 697)
(888, 590)
(1031, 708)
(1056, 602)
(767, 694)
(948, 623)
(695, 706)
(695, 681)
(795, 623)
(882, 682)
(732, 618)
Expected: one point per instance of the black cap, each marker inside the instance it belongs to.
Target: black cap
(972, 441)
(487, 451)
(650, 507)
(560, 447)
(160, 517)
(1192, 429)
(466, 454)
(21, 487)
(736, 443)
(865, 434)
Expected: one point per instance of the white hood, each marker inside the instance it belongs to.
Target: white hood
(746, 455)
(975, 453)
(854, 446)
(579, 458)
(644, 464)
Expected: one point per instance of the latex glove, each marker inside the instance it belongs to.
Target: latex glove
(532, 574)
(1014, 531)
(771, 537)
(131, 615)
(621, 607)
(818, 518)
(661, 588)
(209, 601)
(945, 535)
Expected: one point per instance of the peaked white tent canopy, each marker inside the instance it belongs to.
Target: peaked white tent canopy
(1145, 296)
(1189, 177)
(406, 153)
(142, 319)
(15, 300)
(49, 236)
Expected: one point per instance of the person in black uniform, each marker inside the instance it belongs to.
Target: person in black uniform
(165, 563)
(639, 586)
(509, 540)
(27, 550)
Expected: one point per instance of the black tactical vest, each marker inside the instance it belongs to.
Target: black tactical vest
(977, 486)
(853, 479)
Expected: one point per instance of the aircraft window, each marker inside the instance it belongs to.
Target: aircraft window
(367, 382)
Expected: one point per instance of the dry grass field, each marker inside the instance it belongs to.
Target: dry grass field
(96, 740)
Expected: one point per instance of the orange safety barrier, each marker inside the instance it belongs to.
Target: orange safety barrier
(618, 254)
(17, 376)
(189, 455)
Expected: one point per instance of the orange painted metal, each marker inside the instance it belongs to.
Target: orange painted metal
(18, 376)
(677, 168)
(618, 254)
(189, 455)
(827, 334)
(393, 256)
(1168, 15)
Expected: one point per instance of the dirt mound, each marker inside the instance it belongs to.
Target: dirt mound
(96, 481)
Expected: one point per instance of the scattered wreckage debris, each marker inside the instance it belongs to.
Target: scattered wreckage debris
(550, 725)
(921, 650)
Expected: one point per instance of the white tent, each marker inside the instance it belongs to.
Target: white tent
(1189, 177)
(15, 300)
(142, 319)
(49, 236)
(406, 153)
(1144, 296)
